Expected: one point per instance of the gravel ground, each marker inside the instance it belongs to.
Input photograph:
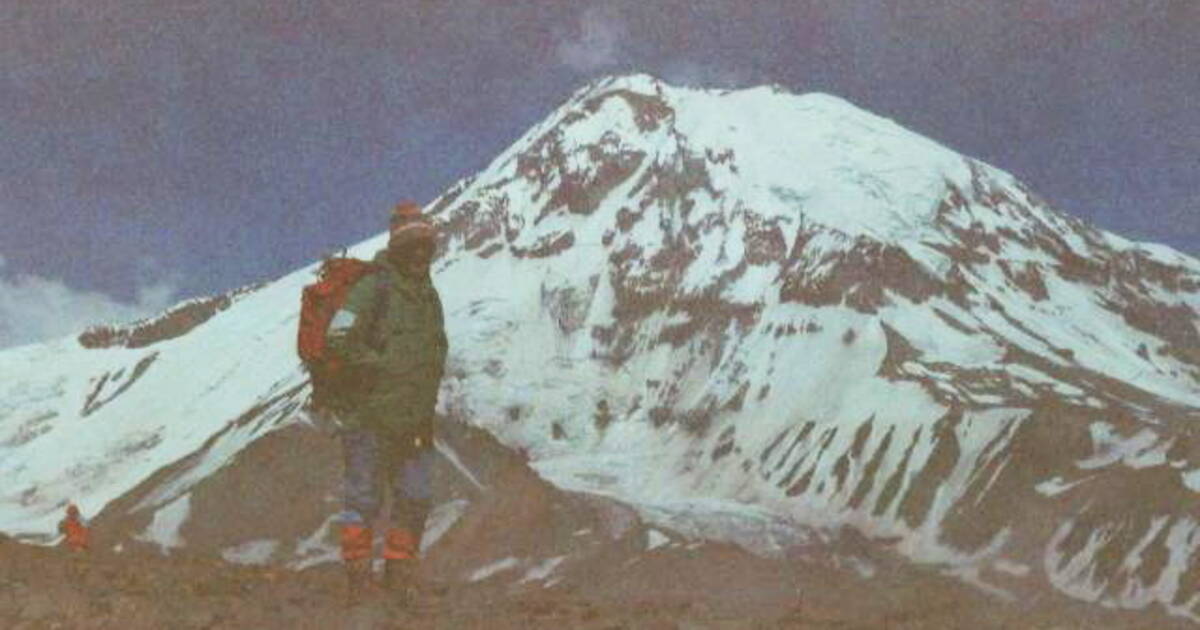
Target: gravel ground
(50, 588)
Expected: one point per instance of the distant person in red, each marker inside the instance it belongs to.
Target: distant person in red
(75, 529)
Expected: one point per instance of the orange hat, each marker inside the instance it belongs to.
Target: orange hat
(406, 211)
(407, 223)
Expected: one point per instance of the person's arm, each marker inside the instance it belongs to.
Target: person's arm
(347, 336)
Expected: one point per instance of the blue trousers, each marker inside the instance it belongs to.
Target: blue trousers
(374, 459)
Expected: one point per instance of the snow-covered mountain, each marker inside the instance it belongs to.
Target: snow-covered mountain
(749, 315)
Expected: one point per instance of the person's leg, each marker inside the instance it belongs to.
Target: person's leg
(412, 492)
(361, 499)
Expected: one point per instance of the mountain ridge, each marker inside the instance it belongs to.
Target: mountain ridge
(744, 334)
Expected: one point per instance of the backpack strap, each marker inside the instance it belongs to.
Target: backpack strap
(378, 306)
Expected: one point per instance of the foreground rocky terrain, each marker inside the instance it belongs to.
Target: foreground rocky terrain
(520, 553)
(50, 588)
(514, 552)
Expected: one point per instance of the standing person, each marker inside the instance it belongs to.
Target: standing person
(75, 529)
(389, 341)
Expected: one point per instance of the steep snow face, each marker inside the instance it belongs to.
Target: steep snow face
(88, 419)
(782, 302)
(742, 312)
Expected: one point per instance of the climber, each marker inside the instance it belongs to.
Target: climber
(75, 529)
(388, 348)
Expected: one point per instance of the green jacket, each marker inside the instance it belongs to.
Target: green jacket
(390, 378)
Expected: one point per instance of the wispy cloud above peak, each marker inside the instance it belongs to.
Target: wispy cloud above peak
(597, 42)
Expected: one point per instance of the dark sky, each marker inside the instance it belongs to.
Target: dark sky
(156, 149)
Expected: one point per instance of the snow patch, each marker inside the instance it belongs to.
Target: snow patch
(440, 520)
(543, 570)
(251, 552)
(452, 456)
(1192, 479)
(1015, 569)
(656, 539)
(317, 549)
(494, 568)
(164, 528)
(1056, 486)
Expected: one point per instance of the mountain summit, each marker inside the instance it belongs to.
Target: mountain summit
(750, 315)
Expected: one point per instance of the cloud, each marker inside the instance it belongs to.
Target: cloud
(598, 42)
(690, 73)
(34, 308)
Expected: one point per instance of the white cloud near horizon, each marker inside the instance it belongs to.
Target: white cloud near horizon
(597, 44)
(35, 309)
(689, 73)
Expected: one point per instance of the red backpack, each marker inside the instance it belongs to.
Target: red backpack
(318, 304)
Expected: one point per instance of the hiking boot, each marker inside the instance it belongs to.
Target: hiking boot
(360, 587)
(400, 580)
(356, 557)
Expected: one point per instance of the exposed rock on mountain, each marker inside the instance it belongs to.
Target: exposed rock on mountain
(745, 317)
